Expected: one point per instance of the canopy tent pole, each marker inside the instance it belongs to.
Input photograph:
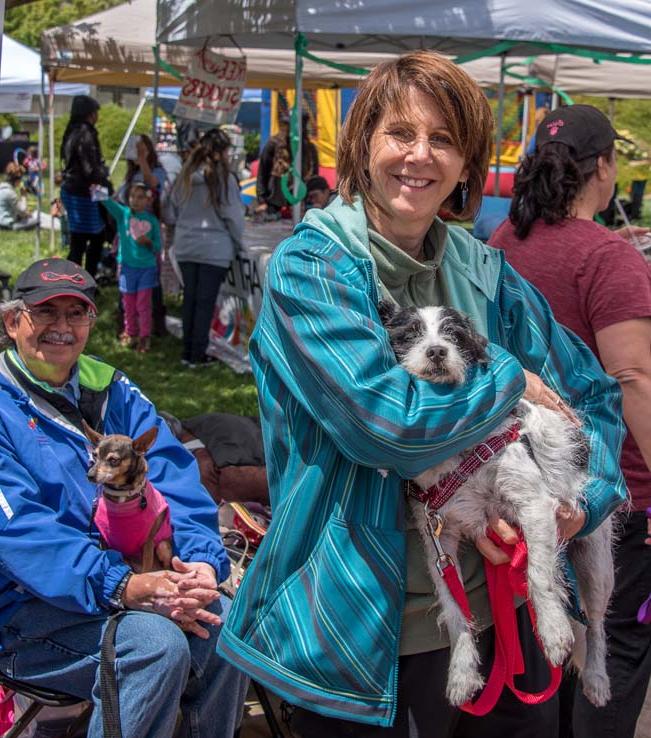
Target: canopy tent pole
(554, 100)
(611, 110)
(128, 132)
(51, 147)
(525, 121)
(154, 112)
(500, 124)
(298, 111)
(39, 194)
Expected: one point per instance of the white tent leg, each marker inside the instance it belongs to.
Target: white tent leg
(51, 146)
(39, 198)
(525, 123)
(154, 114)
(298, 161)
(128, 132)
(500, 125)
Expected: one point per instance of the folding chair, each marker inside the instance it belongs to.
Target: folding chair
(40, 698)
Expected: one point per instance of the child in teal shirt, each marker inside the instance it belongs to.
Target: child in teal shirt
(139, 242)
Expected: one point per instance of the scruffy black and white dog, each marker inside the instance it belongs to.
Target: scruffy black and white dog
(525, 484)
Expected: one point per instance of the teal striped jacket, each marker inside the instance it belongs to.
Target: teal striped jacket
(317, 617)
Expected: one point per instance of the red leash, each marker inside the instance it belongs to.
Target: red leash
(504, 582)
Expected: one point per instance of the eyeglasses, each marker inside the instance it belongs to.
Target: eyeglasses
(47, 315)
(404, 138)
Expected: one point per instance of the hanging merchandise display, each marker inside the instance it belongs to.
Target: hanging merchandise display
(212, 88)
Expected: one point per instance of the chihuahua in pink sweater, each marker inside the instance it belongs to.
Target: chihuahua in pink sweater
(131, 515)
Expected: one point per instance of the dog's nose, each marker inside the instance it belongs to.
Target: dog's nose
(436, 353)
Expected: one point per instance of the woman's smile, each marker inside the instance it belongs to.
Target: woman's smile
(414, 166)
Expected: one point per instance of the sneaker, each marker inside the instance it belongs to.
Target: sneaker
(187, 362)
(206, 359)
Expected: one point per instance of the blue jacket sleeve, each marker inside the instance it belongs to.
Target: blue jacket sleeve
(36, 545)
(568, 366)
(174, 472)
(320, 331)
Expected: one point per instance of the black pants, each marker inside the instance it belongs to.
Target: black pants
(629, 643)
(201, 283)
(424, 712)
(89, 244)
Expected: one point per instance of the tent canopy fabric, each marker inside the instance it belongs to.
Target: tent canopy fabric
(114, 47)
(578, 76)
(21, 72)
(388, 26)
(572, 74)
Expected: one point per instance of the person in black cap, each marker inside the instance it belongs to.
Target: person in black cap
(275, 161)
(598, 286)
(84, 171)
(58, 585)
(319, 194)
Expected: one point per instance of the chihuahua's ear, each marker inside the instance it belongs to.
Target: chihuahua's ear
(386, 310)
(144, 442)
(92, 435)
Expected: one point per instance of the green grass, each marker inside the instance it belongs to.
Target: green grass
(171, 387)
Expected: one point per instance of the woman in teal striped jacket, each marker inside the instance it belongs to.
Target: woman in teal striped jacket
(336, 612)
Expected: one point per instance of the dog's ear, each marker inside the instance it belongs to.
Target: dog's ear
(470, 342)
(386, 310)
(92, 435)
(144, 442)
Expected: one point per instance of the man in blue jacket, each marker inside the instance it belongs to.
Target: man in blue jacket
(57, 587)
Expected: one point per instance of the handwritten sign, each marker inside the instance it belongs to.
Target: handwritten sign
(212, 88)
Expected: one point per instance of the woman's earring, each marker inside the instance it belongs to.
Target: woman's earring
(464, 194)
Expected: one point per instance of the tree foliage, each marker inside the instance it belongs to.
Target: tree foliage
(26, 22)
(111, 127)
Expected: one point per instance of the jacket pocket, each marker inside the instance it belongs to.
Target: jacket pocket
(335, 622)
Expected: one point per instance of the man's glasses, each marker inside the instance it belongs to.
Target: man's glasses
(47, 315)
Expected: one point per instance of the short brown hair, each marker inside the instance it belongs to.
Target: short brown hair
(463, 105)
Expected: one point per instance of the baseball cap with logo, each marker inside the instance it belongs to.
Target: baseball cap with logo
(50, 278)
(583, 129)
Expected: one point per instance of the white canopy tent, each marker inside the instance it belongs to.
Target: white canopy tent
(20, 78)
(115, 47)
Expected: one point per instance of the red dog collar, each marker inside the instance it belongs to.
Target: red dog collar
(438, 494)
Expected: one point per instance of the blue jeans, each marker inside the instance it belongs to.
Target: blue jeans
(159, 669)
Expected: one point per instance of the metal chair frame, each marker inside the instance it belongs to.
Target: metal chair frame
(41, 698)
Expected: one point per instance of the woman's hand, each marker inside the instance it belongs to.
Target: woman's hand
(141, 151)
(539, 393)
(568, 521)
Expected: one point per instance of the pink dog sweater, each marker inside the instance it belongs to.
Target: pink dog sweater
(125, 526)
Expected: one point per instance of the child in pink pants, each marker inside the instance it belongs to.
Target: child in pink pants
(139, 242)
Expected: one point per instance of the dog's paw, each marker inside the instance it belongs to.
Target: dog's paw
(556, 638)
(462, 687)
(596, 687)
(464, 679)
